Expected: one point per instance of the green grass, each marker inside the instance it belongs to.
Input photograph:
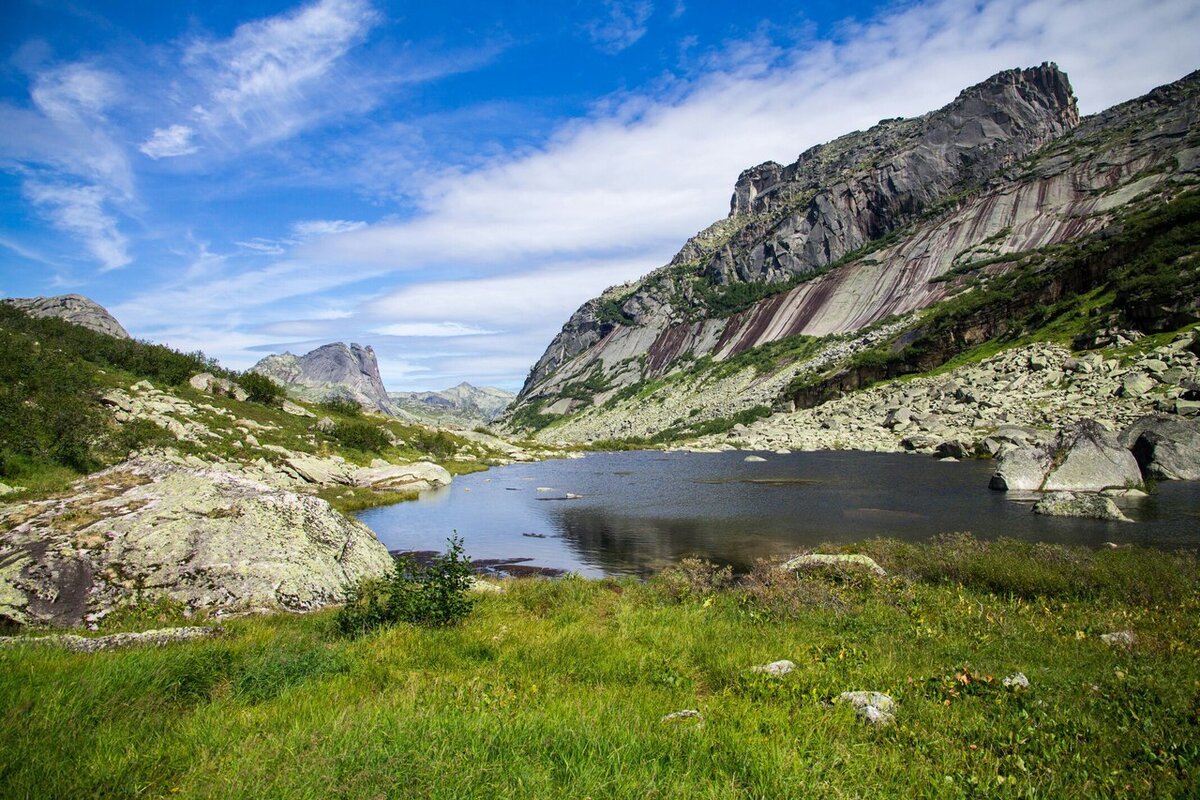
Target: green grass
(557, 688)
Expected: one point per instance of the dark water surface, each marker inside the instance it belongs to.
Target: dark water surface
(641, 511)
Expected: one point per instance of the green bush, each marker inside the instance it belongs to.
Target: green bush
(435, 443)
(433, 595)
(48, 409)
(260, 388)
(363, 436)
(336, 404)
(140, 434)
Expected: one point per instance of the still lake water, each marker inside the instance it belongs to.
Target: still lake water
(640, 511)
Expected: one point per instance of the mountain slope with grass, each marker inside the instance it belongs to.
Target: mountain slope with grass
(131, 473)
(837, 262)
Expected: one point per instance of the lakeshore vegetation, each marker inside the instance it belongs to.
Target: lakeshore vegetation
(558, 688)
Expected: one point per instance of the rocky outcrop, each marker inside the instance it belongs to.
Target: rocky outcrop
(1071, 504)
(1166, 447)
(463, 404)
(334, 370)
(74, 308)
(876, 224)
(1084, 458)
(204, 537)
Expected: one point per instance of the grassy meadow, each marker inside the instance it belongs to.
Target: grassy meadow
(557, 688)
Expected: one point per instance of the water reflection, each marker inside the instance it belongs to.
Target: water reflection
(623, 513)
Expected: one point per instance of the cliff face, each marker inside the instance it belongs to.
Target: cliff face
(332, 370)
(871, 225)
(73, 308)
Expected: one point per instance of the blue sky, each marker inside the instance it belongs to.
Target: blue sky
(448, 182)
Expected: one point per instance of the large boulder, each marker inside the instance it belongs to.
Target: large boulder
(1069, 504)
(202, 537)
(1083, 458)
(1165, 447)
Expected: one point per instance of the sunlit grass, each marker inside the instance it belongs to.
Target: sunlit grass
(557, 688)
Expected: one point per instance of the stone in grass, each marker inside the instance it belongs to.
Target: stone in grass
(1017, 681)
(874, 708)
(1126, 639)
(775, 668)
(1068, 504)
(684, 716)
(833, 560)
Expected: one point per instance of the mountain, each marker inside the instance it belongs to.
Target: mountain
(73, 308)
(843, 251)
(465, 404)
(333, 370)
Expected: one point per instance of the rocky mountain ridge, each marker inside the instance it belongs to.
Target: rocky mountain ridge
(73, 308)
(334, 370)
(847, 237)
(463, 404)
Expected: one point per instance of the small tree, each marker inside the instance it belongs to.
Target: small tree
(433, 595)
(260, 388)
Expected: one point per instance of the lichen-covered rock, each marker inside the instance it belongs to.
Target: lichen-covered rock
(1083, 458)
(200, 536)
(94, 644)
(775, 669)
(1165, 447)
(856, 560)
(1069, 504)
(874, 708)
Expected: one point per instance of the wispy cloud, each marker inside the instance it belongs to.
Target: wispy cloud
(436, 330)
(311, 228)
(622, 25)
(79, 210)
(271, 78)
(170, 142)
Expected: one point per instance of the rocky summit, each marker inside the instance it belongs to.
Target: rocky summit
(73, 308)
(333, 370)
(828, 266)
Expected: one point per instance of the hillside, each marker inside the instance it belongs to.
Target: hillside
(463, 404)
(865, 245)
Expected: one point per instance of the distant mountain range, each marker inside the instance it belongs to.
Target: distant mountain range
(351, 372)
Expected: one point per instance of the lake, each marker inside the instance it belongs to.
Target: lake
(635, 512)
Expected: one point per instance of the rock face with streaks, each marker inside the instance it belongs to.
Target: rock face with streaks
(872, 225)
(333, 370)
(202, 536)
(73, 308)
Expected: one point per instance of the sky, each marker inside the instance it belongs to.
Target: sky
(449, 182)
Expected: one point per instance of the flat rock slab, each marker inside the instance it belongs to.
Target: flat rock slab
(86, 644)
(835, 560)
(1091, 506)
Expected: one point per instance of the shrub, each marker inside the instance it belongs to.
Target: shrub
(693, 578)
(336, 404)
(435, 443)
(361, 436)
(433, 595)
(260, 388)
(140, 434)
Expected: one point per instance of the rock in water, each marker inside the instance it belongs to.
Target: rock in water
(1084, 458)
(1165, 447)
(203, 537)
(1069, 504)
(73, 308)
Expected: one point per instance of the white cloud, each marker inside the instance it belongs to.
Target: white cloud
(312, 228)
(271, 78)
(170, 142)
(430, 329)
(623, 25)
(79, 210)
